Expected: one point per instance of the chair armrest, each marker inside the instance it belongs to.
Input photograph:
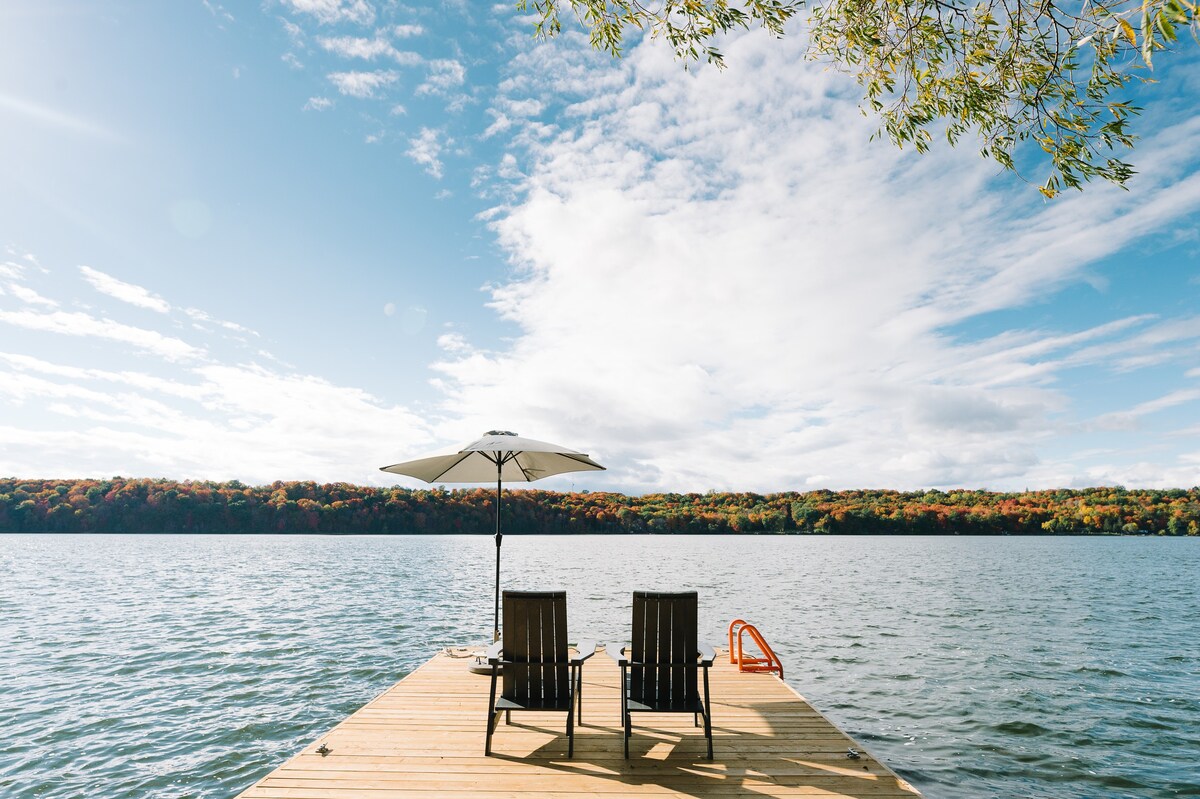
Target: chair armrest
(585, 649)
(618, 654)
(707, 655)
(494, 652)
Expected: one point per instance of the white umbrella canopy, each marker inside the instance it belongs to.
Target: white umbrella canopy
(501, 456)
(498, 455)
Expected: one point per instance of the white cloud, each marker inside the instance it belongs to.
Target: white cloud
(355, 47)
(454, 343)
(190, 414)
(722, 283)
(294, 31)
(1127, 419)
(444, 74)
(524, 108)
(28, 295)
(1151, 344)
(200, 316)
(332, 11)
(192, 411)
(407, 31)
(318, 104)
(426, 150)
(500, 123)
(125, 292)
(218, 10)
(362, 84)
(506, 111)
(368, 49)
(212, 422)
(509, 168)
(85, 325)
(141, 381)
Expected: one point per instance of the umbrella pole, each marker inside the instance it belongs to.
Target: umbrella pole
(496, 616)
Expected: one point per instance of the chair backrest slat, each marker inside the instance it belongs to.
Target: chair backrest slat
(665, 642)
(639, 649)
(666, 620)
(535, 645)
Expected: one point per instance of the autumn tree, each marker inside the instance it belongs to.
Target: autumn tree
(1006, 72)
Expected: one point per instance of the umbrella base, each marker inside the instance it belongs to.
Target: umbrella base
(478, 665)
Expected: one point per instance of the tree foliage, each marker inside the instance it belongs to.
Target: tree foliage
(123, 505)
(1047, 72)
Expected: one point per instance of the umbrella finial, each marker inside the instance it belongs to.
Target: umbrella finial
(499, 433)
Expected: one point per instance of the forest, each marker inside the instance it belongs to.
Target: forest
(124, 505)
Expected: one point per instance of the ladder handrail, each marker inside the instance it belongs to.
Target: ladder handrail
(733, 625)
(770, 662)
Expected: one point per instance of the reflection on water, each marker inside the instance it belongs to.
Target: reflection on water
(169, 666)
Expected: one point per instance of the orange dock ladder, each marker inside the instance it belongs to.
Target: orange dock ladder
(767, 662)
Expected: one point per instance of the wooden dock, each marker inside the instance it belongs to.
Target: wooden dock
(423, 738)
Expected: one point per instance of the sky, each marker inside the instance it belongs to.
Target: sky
(303, 239)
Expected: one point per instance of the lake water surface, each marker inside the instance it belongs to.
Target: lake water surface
(189, 666)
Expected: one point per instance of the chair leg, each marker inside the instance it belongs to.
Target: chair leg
(626, 723)
(571, 729)
(491, 723)
(579, 691)
(707, 716)
(628, 732)
(508, 717)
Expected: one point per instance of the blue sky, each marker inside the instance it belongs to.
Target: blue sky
(302, 239)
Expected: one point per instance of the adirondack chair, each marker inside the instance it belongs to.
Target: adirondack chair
(539, 673)
(659, 672)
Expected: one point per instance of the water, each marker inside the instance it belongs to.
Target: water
(189, 666)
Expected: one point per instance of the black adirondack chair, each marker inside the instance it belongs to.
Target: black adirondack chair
(659, 672)
(539, 673)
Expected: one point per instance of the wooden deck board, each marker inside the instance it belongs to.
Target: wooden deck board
(423, 738)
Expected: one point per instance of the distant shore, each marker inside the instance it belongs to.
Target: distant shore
(126, 505)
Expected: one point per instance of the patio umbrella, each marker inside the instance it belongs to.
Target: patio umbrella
(500, 456)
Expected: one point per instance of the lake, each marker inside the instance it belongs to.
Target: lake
(190, 666)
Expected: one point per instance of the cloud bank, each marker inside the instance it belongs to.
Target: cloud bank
(721, 282)
(203, 403)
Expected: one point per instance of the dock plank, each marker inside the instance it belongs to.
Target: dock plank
(423, 738)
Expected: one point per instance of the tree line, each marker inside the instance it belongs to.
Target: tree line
(124, 505)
